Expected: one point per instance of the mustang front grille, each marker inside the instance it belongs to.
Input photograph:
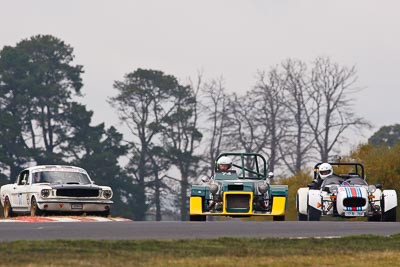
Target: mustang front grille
(354, 202)
(65, 192)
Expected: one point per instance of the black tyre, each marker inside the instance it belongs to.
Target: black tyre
(35, 211)
(313, 214)
(375, 218)
(278, 218)
(198, 218)
(302, 217)
(7, 211)
(389, 216)
(105, 213)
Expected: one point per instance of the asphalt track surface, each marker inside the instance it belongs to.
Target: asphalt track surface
(123, 230)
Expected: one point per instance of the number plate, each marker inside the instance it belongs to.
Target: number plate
(354, 213)
(76, 206)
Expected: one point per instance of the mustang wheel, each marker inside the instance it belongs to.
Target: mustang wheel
(313, 214)
(7, 209)
(35, 211)
(105, 213)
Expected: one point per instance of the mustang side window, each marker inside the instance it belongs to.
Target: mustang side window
(23, 178)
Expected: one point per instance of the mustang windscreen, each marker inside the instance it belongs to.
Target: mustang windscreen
(61, 177)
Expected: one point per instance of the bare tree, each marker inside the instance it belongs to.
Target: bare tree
(299, 138)
(214, 105)
(270, 113)
(329, 108)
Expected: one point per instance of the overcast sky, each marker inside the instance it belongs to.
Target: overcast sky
(229, 38)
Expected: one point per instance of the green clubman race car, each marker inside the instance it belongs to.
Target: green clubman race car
(240, 187)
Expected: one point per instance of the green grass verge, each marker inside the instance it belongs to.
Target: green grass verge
(347, 251)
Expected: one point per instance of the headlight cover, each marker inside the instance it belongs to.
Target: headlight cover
(371, 188)
(213, 189)
(333, 189)
(107, 194)
(262, 187)
(45, 193)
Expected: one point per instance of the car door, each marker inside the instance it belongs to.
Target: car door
(19, 191)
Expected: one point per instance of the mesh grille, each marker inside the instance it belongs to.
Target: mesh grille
(77, 192)
(354, 202)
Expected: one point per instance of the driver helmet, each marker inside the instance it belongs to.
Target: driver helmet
(325, 170)
(224, 163)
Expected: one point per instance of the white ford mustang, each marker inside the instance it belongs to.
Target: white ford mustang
(54, 188)
(345, 195)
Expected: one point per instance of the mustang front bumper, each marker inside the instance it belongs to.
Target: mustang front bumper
(74, 205)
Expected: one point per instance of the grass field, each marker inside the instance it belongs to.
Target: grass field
(349, 251)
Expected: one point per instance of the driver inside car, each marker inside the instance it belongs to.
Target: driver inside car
(224, 164)
(325, 170)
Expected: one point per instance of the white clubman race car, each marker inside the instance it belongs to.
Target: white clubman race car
(345, 195)
(55, 189)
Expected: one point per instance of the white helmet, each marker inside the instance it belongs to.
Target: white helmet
(324, 170)
(224, 160)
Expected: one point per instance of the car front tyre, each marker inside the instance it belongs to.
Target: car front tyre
(313, 214)
(105, 213)
(389, 216)
(198, 218)
(7, 211)
(35, 211)
(278, 218)
(301, 217)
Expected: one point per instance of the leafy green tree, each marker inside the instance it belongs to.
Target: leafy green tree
(41, 122)
(37, 84)
(181, 137)
(143, 102)
(98, 150)
(386, 136)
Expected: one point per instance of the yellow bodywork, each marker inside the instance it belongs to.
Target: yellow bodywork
(278, 207)
(195, 205)
(224, 212)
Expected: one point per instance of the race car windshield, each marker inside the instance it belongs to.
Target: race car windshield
(61, 177)
(332, 180)
(355, 181)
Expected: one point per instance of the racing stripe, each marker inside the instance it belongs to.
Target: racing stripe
(358, 189)
(347, 196)
(353, 195)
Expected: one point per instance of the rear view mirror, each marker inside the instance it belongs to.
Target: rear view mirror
(205, 179)
(270, 175)
(378, 186)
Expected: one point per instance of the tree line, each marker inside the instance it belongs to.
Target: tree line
(295, 113)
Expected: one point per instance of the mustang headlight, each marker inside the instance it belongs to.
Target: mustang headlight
(333, 189)
(262, 188)
(45, 193)
(107, 194)
(213, 189)
(371, 188)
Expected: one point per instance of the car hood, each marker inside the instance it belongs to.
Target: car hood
(75, 186)
(238, 185)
